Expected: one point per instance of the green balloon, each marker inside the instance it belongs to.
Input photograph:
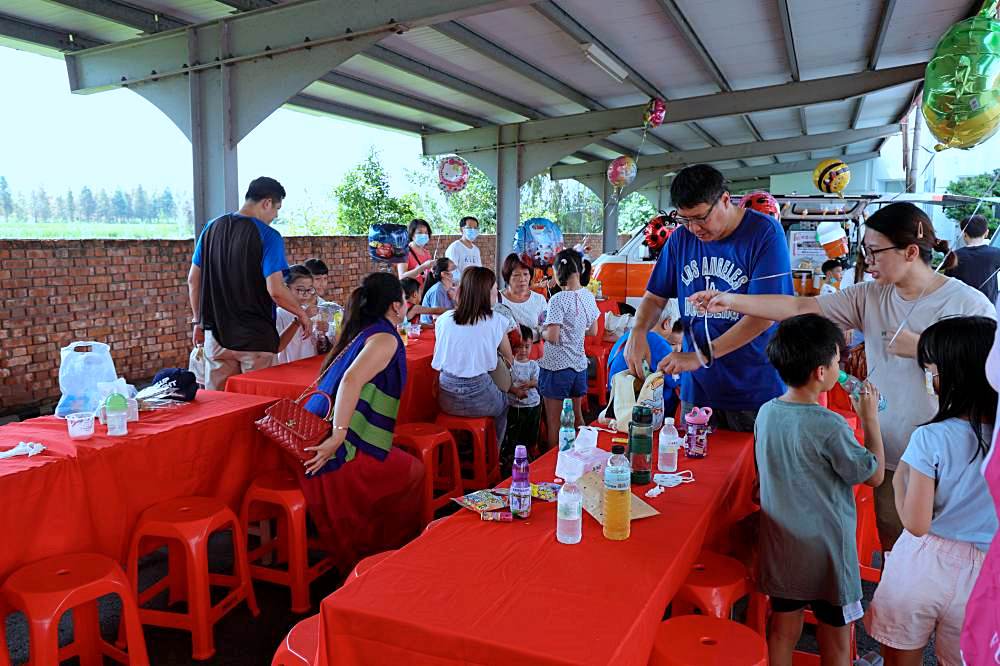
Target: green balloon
(961, 102)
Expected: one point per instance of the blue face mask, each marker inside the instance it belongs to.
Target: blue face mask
(421, 239)
(471, 234)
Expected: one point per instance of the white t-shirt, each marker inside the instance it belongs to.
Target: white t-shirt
(523, 372)
(467, 351)
(299, 347)
(827, 289)
(877, 310)
(528, 313)
(574, 312)
(464, 256)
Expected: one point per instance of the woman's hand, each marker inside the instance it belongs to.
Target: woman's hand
(711, 301)
(866, 404)
(324, 451)
(677, 362)
(905, 344)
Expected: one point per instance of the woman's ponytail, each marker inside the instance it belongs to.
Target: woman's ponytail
(366, 305)
(950, 258)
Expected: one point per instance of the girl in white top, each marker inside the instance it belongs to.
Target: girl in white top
(943, 501)
(300, 283)
(897, 246)
(571, 316)
(468, 340)
(527, 307)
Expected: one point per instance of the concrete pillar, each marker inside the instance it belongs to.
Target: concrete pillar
(508, 193)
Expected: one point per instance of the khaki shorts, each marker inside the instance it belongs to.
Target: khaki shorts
(886, 518)
(925, 585)
(222, 363)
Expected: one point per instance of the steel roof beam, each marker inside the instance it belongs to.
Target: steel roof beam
(792, 54)
(384, 94)
(42, 35)
(485, 47)
(874, 56)
(123, 13)
(672, 10)
(658, 164)
(786, 95)
(247, 5)
(354, 113)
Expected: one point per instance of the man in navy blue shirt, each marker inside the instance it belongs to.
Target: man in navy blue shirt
(235, 281)
(718, 246)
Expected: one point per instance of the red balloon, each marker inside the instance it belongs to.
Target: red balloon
(762, 202)
(656, 113)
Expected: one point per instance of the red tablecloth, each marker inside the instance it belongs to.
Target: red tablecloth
(472, 592)
(418, 403)
(87, 495)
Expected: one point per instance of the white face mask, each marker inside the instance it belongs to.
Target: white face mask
(673, 479)
(929, 382)
(421, 239)
(456, 275)
(471, 234)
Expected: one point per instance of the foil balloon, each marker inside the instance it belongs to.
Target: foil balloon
(656, 233)
(621, 172)
(453, 174)
(961, 102)
(537, 242)
(831, 176)
(762, 202)
(656, 113)
(387, 243)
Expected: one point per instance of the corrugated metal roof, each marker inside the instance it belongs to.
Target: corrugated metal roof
(740, 44)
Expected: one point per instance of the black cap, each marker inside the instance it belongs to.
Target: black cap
(618, 449)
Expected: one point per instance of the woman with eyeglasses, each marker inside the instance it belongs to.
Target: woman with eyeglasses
(906, 297)
(300, 282)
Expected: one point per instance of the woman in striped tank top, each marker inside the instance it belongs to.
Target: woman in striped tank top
(356, 473)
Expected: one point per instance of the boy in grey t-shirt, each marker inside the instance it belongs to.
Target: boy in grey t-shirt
(808, 462)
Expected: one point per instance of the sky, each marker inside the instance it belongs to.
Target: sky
(118, 139)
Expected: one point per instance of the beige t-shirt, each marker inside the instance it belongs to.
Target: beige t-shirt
(877, 310)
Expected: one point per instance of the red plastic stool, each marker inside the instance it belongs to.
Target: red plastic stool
(715, 583)
(45, 590)
(278, 495)
(436, 448)
(866, 535)
(369, 563)
(299, 646)
(185, 525)
(485, 454)
(700, 640)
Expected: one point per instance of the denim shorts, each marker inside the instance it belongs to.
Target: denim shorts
(562, 384)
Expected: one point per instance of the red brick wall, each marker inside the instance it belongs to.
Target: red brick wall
(131, 294)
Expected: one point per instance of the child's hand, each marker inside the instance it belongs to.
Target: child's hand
(866, 404)
(518, 391)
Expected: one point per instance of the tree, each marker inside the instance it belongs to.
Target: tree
(140, 204)
(6, 200)
(443, 211)
(88, 205)
(633, 212)
(41, 207)
(59, 207)
(120, 206)
(166, 206)
(104, 211)
(984, 185)
(70, 206)
(363, 198)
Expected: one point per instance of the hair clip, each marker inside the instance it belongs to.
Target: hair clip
(920, 229)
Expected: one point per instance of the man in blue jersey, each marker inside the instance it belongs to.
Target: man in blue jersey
(718, 245)
(234, 283)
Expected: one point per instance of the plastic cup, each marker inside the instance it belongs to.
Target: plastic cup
(414, 331)
(80, 425)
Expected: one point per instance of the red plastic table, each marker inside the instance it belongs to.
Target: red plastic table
(472, 592)
(87, 495)
(418, 402)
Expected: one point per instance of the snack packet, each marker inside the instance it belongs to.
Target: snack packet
(480, 501)
(545, 491)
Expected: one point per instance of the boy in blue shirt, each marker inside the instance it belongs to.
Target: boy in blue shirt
(733, 249)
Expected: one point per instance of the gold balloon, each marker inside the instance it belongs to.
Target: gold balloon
(831, 176)
(961, 101)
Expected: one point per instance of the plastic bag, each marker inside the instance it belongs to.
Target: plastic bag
(196, 364)
(616, 324)
(624, 397)
(82, 367)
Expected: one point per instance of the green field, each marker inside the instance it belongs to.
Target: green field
(61, 230)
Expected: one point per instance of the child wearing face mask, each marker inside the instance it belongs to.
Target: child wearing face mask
(439, 292)
(943, 500)
(418, 260)
(464, 251)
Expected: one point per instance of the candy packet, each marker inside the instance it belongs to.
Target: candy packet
(545, 491)
(481, 500)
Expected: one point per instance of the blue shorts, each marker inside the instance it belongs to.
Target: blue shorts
(562, 384)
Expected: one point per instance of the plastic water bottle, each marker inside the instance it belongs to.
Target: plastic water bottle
(670, 442)
(520, 487)
(569, 510)
(854, 386)
(567, 426)
(617, 496)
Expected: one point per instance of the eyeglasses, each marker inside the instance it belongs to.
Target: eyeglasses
(700, 220)
(870, 254)
(302, 291)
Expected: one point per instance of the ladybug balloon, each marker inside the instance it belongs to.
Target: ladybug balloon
(657, 231)
(762, 202)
